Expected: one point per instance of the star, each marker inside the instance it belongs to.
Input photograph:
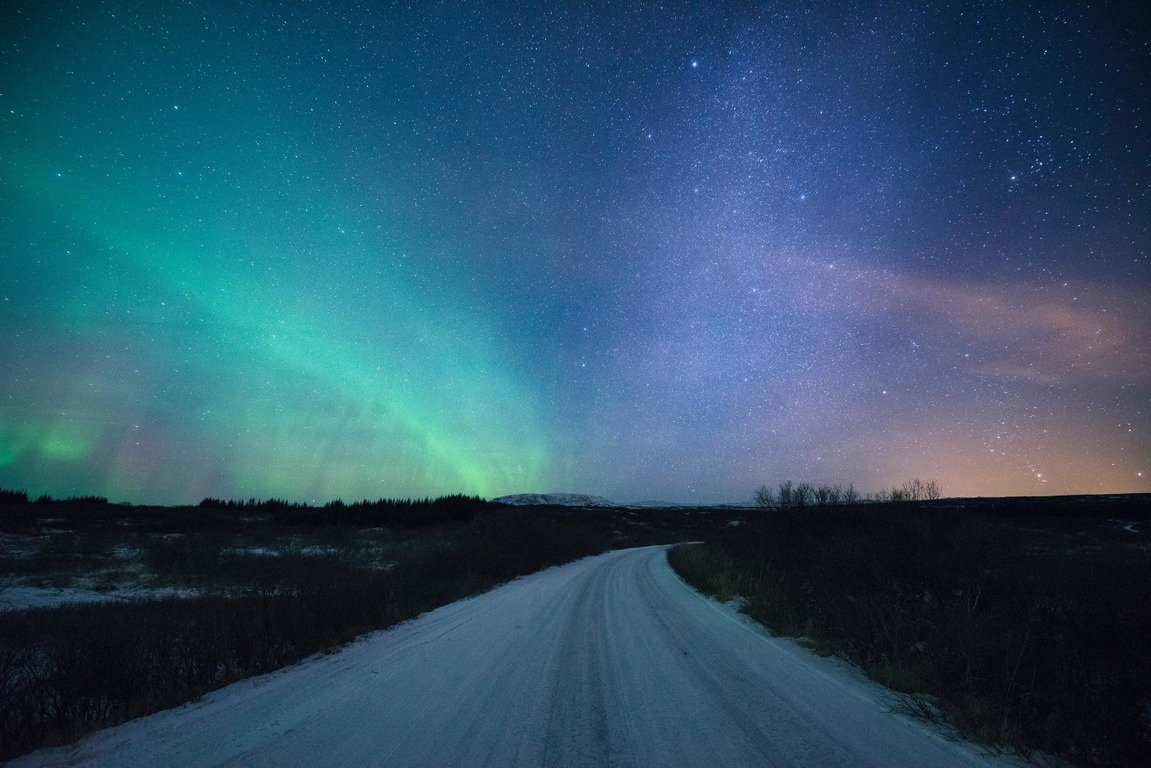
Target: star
(393, 253)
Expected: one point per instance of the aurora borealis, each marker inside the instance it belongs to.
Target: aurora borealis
(354, 250)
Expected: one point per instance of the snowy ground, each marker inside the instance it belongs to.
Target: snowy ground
(611, 660)
(20, 597)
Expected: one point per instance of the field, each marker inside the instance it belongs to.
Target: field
(1020, 623)
(111, 612)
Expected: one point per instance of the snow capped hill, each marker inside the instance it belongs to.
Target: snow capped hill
(561, 499)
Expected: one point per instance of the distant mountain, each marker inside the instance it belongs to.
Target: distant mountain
(560, 499)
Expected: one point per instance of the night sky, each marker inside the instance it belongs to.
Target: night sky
(345, 250)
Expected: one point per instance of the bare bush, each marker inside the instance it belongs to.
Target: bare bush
(798, 495)
(917, 490)
(827, 494)
(911, 490)
(786, 494)
(764, 497)
(932, 490)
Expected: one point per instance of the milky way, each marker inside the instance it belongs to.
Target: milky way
(340, 250)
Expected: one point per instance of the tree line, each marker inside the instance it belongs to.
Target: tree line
(791, 495)
(389, 513)
(21, 497)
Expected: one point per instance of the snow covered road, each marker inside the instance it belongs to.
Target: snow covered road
(611, 660)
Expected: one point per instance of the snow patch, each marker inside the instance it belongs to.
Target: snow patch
(20, 598)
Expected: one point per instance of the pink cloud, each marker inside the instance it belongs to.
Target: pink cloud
(1041, 334)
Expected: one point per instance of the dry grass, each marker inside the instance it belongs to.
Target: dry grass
(1025, 632)
(271, 590)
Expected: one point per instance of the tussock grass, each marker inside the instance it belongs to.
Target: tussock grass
(1030, 633)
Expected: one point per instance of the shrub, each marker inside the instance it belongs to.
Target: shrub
(1019, 636)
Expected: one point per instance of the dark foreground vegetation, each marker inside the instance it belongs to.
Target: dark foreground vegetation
(227, 590)
(1022, 623)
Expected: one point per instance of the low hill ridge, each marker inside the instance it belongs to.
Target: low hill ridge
(554, 499)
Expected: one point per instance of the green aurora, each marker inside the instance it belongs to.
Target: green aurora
(221, 318)
(649, 252)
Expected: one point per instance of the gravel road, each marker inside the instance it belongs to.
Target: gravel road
(611, 660)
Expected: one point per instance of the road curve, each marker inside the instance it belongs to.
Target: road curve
(611, 660)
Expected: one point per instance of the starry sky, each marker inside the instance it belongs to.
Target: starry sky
(318, 250)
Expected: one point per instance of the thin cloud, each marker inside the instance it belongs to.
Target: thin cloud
(1040, 334)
